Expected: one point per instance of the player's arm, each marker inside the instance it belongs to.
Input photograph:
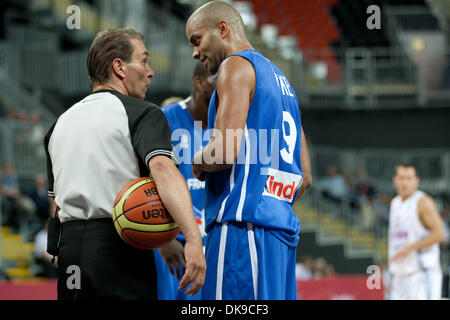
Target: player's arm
(235, 89)
(175, 195)
(306, 167)
(431, 220)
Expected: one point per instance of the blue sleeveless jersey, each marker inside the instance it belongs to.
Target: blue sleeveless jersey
(263, 183)
(187, 139)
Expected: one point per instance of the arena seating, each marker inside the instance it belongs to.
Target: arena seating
(324, 232)
(309, 21)
(16, 254)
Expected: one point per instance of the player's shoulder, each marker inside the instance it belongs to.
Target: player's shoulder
(175, 107)
(424, 200)
(395, 200)
(236, 63)
(175, 111)
(237, 70)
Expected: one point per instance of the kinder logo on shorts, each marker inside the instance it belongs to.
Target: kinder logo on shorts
(282, 185)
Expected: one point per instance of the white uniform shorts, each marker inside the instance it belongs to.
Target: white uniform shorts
(422, 285)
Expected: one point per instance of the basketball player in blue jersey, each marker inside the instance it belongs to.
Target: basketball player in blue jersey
(188, 121)
(255, 165)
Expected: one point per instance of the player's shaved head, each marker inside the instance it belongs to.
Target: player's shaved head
(211, 13)
(216, 30)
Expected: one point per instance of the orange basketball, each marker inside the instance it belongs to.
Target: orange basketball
(140, 217)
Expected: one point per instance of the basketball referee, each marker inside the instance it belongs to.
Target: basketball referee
(97, 146)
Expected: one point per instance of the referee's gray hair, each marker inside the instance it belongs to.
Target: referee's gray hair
(107, 46)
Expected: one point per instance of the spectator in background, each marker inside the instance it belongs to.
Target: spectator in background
(333, 186)
(170, 100)
(309, 268)
(2, 209)
(2, 108)
(42, 258)
(39, 196)
(36, 135)
(381, 204)
(10, 193)
(329, 271)
(318, 269)
(21, 116)
(367, 213)
(17, 207)
(11, 114)
(348, 180)
(362, 184)
(303, 269)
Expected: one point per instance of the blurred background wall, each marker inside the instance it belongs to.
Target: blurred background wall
(369, 98)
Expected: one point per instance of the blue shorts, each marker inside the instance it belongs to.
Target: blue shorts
(245, 262)
(167, 284)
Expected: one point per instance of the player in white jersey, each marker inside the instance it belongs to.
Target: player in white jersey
(415, 231)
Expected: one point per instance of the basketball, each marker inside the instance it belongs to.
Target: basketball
(140, 218)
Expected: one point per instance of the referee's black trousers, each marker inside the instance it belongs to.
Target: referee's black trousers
(94, 264)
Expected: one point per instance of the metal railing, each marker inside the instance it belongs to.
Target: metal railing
(22, 144)
(170, 53)
(433, 164)
(14, 94)
(411, 18)
(357, 78)
(375, 233)
(362, 78)
(418, 30)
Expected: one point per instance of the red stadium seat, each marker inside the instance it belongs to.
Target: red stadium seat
(309, 21)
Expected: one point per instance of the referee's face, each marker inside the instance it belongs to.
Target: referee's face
(137, 72)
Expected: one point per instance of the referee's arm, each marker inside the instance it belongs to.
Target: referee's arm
(152, 141)
(175, 195)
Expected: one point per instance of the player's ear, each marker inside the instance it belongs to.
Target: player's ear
(198, 83)
(223, 28)
(119, 68)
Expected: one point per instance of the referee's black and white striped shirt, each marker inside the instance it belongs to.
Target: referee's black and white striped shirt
(97, 146)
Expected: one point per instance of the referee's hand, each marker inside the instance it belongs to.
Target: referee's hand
(195, 268)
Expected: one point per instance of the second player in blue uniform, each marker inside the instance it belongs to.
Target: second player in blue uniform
(188, 121)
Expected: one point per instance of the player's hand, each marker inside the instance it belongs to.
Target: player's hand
(195, 268)
(198, 173)
(173, 254)
(402, 254)
(196, 161)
